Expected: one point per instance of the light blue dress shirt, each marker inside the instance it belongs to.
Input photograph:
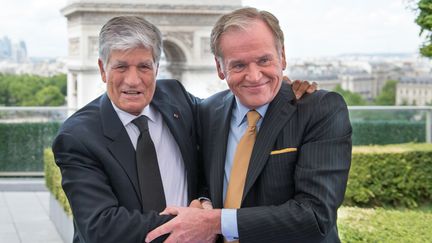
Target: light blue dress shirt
(237, 129)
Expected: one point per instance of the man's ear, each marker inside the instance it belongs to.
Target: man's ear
(102, 70)
(219, 69)
(283, 59)
(157, 69)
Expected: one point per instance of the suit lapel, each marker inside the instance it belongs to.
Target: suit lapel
(120, 147)
(220, 135)
(279, 112)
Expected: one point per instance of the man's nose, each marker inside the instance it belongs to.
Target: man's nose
(132, 76)
(254, 73)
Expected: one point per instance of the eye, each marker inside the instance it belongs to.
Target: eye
(264, 61)
(238, 67)
(120, 68)
(144, 67)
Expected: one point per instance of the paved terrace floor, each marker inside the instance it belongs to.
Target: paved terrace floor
(24, 207)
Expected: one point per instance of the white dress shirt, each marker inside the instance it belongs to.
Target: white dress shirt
(170, 160)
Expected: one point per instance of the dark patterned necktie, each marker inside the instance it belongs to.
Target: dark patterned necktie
(150, 181)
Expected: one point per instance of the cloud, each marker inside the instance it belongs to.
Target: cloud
(344, 26)
(39, 23)
(312, 28)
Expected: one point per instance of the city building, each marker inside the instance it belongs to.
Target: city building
(16, 52)
(414, 91)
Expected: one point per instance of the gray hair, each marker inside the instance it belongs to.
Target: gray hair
(241, 19)
(128, 32)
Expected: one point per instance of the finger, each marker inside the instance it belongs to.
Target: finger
(207, 205)
(195, 204)
(161, 230)
(286, 79)
(170, 211)
(304, 85)
(295, 85)
(312, 88)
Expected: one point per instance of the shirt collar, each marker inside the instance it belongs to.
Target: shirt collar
(127, 118)
(240, 112)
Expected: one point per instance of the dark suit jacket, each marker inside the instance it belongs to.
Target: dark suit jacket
(291, 196)
(97, 162)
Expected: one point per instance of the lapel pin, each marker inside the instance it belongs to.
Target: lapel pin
(176, 116)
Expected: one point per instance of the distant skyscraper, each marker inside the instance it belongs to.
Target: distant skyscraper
(16, 52)
(5, 48)
(20, 52)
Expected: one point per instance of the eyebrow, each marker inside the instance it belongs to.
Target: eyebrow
(121, 62)
(239, 61)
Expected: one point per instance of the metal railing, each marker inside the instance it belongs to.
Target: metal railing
(357, 113)
(426, 109)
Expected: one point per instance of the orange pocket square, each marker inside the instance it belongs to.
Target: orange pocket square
(281, 151)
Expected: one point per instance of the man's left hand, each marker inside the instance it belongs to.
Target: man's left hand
(189, 225)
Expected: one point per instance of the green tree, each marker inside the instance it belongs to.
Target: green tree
(49, 96)
(351, 98)
(388, 94)
(60, 82)
(424, 20)
(31, 90)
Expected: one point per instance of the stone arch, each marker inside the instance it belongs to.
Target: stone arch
(175, 59)
(185, 25)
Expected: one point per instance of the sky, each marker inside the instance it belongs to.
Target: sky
(313, 28)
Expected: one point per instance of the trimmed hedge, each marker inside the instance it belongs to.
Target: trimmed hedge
(53, 180)
(393, 175)
(360, 225)
(22, 145)
(380, 175)
(388, 132)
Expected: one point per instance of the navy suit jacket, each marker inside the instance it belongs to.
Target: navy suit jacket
(97, 162)
(298, 170)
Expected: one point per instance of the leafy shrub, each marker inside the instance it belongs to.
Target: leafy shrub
(22, 145)
(397, 175)
(53, 180)
(388, 132)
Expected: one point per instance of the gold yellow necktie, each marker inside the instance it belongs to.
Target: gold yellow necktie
(241, 162)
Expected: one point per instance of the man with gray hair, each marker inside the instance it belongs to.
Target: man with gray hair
(276, 169)
(132, 151)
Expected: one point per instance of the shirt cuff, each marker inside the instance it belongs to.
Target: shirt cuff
(229, 224)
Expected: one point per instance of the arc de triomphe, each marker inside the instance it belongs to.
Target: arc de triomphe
(185, 24)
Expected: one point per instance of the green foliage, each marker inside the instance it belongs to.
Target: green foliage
(59, 81)
(359, 225)
(22, 145)
(49, 96)
(397, 175)
(424, 20)
(387, 132)
(350, 98)
(53, 180)
(388, 94)
(30, 90)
